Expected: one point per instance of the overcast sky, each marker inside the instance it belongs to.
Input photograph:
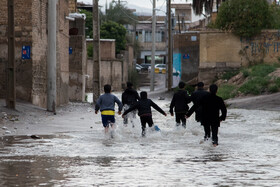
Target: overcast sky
(140, 5)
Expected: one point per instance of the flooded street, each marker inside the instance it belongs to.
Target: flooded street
(248, 153)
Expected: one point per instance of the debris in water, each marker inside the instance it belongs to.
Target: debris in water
(35, 137)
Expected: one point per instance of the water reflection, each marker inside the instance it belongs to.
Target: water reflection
(30, 171)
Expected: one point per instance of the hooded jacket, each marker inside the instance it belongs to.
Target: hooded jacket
(130, 96)
(180, 101)
(144, 107)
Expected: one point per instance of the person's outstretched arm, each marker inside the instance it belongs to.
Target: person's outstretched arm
(155, 106)
(133, 107)
(119, 104)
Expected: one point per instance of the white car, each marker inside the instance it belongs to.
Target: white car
(138, 68)
(160, 67)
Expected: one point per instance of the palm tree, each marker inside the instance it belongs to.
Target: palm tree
(200, 5)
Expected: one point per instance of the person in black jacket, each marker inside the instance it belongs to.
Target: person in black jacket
(144, 110)
(196, 98)
(210, 115)
(180, 101)
(129, 98)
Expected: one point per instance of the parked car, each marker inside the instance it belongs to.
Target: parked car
(160, 67)
(145, 67)
(138, 68)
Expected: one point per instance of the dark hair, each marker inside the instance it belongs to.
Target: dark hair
(182, 84)
(107, 88)
(143, 95)
(200, 84)
(129, 84)
(213, 88)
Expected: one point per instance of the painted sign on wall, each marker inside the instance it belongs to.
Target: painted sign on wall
(26, 52)
(177, 69)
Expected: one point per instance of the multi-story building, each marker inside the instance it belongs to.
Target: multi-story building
(143, 34)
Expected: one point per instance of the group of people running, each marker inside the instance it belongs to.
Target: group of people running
(206, 105)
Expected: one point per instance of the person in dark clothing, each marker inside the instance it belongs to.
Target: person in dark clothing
(129, 98)
(144, 111)
(180, 102)
(196, 97)
(210, 116)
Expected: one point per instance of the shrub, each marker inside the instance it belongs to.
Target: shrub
(255, 86)
(227, 91)
(229, 74)
(273, 88)
(90, 50)
(262, 70)
(245, 72)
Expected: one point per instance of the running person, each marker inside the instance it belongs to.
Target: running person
(106, 104)
(129, 98)
(144, 111)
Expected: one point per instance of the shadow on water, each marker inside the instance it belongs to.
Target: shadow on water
(211, 157)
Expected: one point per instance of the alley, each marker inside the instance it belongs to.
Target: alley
(72, 150)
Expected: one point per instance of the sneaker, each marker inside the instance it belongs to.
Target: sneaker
(157, 128)
(177, 124)
(143, 133)
(184, 125)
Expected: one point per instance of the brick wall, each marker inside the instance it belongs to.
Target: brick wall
(72, 6)
(31, 30)
(77, 61)
(77, 68)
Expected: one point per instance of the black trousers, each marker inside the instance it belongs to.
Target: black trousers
(144, 120)
(214, 127)
(180, 117)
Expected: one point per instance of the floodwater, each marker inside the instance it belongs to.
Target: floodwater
(248, 154)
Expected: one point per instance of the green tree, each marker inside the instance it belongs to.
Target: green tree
(275, 16)
(88, 23)
(113, 30)
(120, 14)
(244, 17)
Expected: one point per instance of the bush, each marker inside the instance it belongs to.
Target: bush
(245, 72)
(90, 50)
(255, 86)
(262, 70)
(227, 91)
(273, 88)
(229, 74)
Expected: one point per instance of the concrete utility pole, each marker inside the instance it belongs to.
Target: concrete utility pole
(152, 80)
(96, 51)
(170, 54)
(10, 76)
(51, 93)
